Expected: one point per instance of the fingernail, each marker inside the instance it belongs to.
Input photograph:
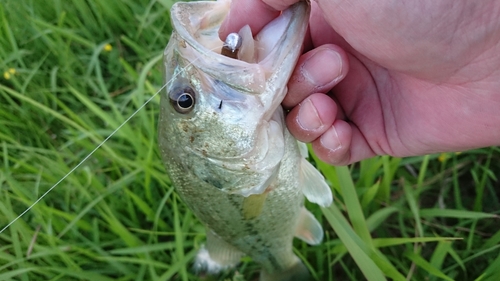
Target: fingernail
(323, 67)
(308, 117)
(330, 140)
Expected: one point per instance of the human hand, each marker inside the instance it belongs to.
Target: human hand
(387, 77)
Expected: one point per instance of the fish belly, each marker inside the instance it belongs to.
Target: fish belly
(263, 230)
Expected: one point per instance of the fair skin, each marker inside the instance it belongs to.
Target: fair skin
(386, 77)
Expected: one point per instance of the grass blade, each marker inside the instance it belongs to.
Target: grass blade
(353, 206)
(346, 234)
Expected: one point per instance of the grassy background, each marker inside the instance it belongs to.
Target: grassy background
(75, 70)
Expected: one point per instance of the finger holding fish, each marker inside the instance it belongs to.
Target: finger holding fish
(342, 144)
(317, 71)
(312, 117)
(243, 13)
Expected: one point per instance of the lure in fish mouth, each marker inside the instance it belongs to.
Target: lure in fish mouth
(224, 142)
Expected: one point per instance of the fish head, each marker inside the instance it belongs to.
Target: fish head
(220, 118)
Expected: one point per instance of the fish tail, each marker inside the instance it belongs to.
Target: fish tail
(297, 272)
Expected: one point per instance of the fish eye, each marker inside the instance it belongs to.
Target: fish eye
(183, 100)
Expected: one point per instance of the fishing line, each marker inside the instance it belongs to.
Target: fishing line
(84, 159)
(96, 148)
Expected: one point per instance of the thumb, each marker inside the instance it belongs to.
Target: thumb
(280, 5)
(255, 13)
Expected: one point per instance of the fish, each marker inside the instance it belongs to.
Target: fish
(225, 145)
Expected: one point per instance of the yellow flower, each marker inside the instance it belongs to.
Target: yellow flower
(442, 157)
(8, 74)
(108, 47)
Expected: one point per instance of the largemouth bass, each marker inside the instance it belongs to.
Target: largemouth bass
(225, 145)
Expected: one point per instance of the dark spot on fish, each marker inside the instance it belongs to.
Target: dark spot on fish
(233, 201)
(204, 152)
(250, 228)
(184, 126)
(209, 178)
(212, 181)
(220, 104)
(182, 43)
(191, 139)
(273, 261)
(269, 188)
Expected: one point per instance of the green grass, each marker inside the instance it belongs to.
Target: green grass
(118, 218)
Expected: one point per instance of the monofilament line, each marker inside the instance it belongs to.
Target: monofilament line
(99, 146)
(84, 159)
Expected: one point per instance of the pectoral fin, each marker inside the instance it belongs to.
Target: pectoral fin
(252, 205)
(309, 229)
(314, 186)
(303, 149)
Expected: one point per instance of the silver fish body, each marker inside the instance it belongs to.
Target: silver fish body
(225, 145)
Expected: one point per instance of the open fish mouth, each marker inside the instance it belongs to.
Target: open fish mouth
(270, 54)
